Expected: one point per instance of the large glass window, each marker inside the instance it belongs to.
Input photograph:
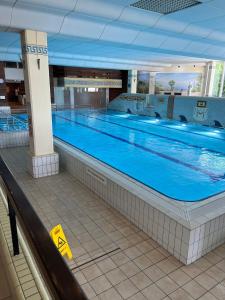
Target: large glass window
(143, 82)
(218, 80)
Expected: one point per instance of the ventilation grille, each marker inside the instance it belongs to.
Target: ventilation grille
(165, 6)
(96, 175)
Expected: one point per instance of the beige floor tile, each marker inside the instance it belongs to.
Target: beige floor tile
(221, 265)
(88, 290)
(203, 264)
(21, 267)
(180, 277)
(206, 281)
(167, 266)
(120, 259)
(91, 272)
(218, 292)
(111, 294)
(126, 230)
(106, 265)
(141, 280)
(153, 293)
(194, 289)
(25, 279)
(164, 252)
(220, 251)
(23, 273)
(115, 276)
(80, 277)
(138, 296)
(126, 289)
(28, 285)
(155, 256)
(208, 296)
(31, 291)
(130, 269)
(100, 284)
(167, 285)
(191, 270)
(143, 262)
(34, 297)
(145, 246)
(154, 273)
(216, 273)
(180, 294)
(132, 252)
(213, 257)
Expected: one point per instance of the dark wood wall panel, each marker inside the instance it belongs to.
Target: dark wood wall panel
(113, 93)
(61, 72)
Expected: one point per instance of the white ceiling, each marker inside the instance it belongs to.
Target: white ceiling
(111, 33)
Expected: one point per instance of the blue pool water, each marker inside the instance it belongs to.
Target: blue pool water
(185, 162)
(13, 123)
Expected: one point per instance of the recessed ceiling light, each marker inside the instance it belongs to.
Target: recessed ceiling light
(165, 6)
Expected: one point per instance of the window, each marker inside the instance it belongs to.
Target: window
(11, 64)
(218, 78)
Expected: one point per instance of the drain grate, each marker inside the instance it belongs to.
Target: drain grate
(165, 6)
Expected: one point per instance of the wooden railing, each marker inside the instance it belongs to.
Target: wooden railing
(58, 278)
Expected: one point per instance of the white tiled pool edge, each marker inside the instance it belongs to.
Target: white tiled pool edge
(14, 138)
(164, 220)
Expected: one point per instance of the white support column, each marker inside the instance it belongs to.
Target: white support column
(132, 82)
(107, 97)
(43, 161)
(211, 69)
(71, 97)
(222, 81)
(152, 78)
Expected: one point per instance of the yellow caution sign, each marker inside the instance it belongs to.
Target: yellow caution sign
(60, 241)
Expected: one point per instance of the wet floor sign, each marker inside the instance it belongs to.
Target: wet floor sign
(60, 241)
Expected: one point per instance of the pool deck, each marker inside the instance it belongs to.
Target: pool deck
(187, 230)
(140, 269)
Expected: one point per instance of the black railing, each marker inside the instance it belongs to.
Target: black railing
(60, 281)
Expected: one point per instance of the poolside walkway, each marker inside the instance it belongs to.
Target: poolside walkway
(136, 268)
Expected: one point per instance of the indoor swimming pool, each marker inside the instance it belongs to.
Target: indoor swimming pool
(185, 162)
(9, 123)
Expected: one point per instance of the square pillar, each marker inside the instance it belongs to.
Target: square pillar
(132, 82)
(43, 161)
(210, 76)
(152, 82)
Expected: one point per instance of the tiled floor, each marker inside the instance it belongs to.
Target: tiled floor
(140, 269)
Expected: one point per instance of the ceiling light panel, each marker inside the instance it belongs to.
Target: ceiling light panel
(165, 6)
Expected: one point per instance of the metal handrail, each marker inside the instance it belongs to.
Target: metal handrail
(71, 107)
(57, 276)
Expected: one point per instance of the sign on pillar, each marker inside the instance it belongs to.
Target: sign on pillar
(43, 161)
